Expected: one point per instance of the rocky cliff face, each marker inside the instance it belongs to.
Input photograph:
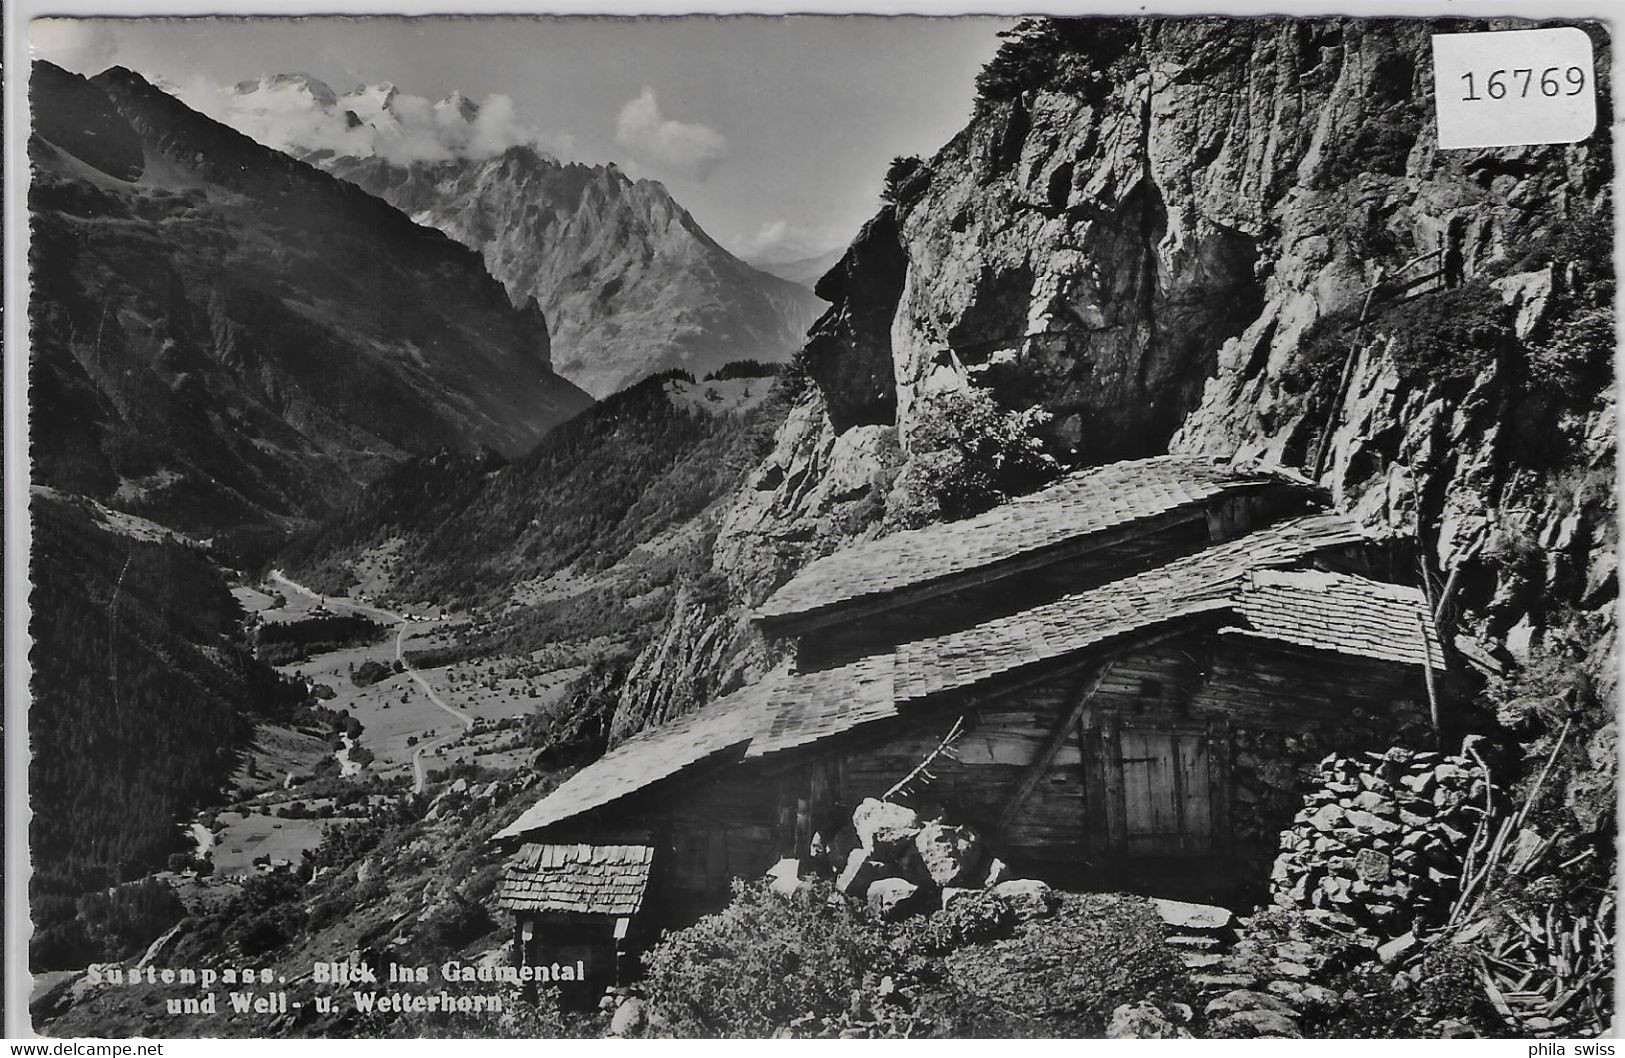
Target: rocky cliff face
(1159, 235)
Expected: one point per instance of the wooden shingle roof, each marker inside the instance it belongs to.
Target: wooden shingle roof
(1241, 580)
(724, 727)
(1201, 582)
(588, 879)
(1343, 614)
(1079, 506)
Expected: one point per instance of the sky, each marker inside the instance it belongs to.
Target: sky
(774, 132)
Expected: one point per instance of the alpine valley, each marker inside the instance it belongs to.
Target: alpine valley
(338, 578)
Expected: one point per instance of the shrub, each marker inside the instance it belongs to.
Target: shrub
(969, 455)
(906, 179)
(969, 920)
(1078, 55)
(370, 673)
(764, 961)
(1447, 337)
(123, 920)
(1578, 359)
(267, 914)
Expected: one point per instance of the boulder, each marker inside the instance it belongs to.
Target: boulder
(892, 899)
(1372, 866)
(1181, 915)
(1326, 818)
(784, 877)
(1394, 950)
(1366, 823)
(952, 895)
(885, 829)
(997, 871)
(1307, 998)
(1255, 1024)
(859, 873)
(1029, 898)
(1142, 1021)
(630, 1018)
(1246, 999)
(949, 854)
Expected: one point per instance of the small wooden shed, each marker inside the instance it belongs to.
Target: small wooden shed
(1137, 669)
(576, 907)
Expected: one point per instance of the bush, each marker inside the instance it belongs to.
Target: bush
(370, 673)
(1082, 56)
(906, 179)
(764, 961)
(969, 920)
(969, 455)
(122, 921)
(1578, 359)
(1447, 337)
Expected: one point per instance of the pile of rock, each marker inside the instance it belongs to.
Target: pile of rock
(1381, 838)
(902, 861)
(1271, 769)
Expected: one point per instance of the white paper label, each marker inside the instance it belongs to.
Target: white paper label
(1514, 87)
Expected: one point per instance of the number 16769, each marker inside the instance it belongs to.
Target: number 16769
(1520, 84)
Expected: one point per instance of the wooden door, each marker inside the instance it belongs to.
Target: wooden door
(1165, 779)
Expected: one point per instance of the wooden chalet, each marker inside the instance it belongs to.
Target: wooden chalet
(1136, 668)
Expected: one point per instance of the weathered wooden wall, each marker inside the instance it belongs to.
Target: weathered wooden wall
(1255, 714)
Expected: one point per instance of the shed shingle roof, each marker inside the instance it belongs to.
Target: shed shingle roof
(590, 879)
(1080, 505)
(785, 710)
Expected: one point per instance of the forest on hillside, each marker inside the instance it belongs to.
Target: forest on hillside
(138, 663)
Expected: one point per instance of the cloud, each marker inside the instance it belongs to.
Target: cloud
(782, 241)
(296, 113)
(691, 150)
(84, 46)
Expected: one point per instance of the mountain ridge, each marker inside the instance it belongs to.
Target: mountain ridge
(630, 282)
(286, 336)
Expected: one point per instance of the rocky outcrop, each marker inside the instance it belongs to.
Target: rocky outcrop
(1162, 237)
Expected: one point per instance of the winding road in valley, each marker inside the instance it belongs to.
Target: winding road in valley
(419, 775)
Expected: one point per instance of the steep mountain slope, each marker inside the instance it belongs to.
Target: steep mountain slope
(226, 338)
(629, 281)
(144, 690)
